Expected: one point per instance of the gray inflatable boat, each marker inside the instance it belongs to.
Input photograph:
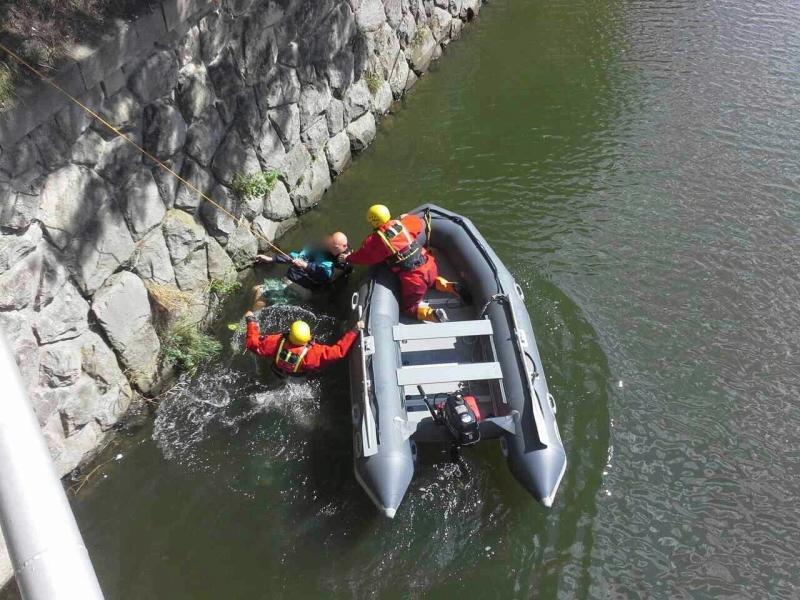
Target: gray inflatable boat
(486, 354)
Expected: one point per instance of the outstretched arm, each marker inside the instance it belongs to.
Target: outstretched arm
(266, 346)
(320, 355)
(372, 251)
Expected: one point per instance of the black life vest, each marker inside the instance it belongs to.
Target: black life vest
(407, 253)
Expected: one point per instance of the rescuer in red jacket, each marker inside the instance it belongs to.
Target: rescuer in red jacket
(395, 242)
(294, 353)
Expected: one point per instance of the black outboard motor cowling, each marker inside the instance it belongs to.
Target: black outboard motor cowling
(461, 421)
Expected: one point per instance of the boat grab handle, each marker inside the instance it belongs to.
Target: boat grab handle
(520, 293)
(354, 301)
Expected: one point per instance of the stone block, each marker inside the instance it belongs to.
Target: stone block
(333, 34)
(242, 244)
(220, 224)
(151, 261)
(338, 152)
(357, 101)
(234, 157)
(150, 27)
(370, 15)
(70, 198)
(14, 248)
(122, 111)
(141, 203)
(72, 120)
(88, 149)
(204, 136)
(421, 49)
(286, 121)
(260, 50)
(225, 76)
(271, 151)
(155, 77)
(60, 364)
(314, 183)
(399, 77)
(215, 32)
(246, 116)
(186, 198)
(183, 234)
(120, 159)
(113, 82)
(191, 273)
(267, 231)
(116, 49)
(220, 266)
(314, 100)
(17, 209)
(164, 130)
(335, 117)
(178, 11)
(361, 132)
(16, 327)
(297, 161)
(316, 135)
(382, 100)
(19, 284)
(188, 46)
(277, 203)
(167, 183)
(194, 93)
(280, 86)
(21, 158)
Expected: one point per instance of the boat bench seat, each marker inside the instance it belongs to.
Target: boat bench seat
(430, 331)
(447, 372)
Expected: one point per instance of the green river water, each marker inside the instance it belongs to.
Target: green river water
(635, 164)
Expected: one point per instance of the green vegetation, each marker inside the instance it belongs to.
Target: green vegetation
(185, 346)
(253, 185)
(374, 82)
(6, 86)
(419, 37)
(225, 286)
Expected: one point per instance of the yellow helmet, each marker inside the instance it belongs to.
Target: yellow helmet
(377, 215)
(299, 333)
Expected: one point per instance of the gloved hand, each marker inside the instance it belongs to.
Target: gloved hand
(358, 326)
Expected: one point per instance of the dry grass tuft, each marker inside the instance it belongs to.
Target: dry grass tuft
(169, 298)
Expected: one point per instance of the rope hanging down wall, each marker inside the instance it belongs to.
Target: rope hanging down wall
(119, 133)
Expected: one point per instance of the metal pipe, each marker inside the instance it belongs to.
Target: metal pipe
(47, 552)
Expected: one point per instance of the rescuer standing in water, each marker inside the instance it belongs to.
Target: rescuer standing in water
(394, 241)
(295, 353)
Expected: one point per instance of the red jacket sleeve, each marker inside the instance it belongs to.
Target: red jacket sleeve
(320, 355)
(413, 224)
(372, 251)
(268, 346)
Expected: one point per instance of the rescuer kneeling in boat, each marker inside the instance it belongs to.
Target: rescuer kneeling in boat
(315, 268)
(295, 353)
(394, 241)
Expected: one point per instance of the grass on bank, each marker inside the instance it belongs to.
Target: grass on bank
(254, 185)
(374, 82)
(186, 347)
(7, 77)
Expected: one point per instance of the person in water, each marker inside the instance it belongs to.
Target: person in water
(315, 268)
(394, 241)
(295, 353)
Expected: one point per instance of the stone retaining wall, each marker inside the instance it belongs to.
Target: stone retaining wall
(212, 88)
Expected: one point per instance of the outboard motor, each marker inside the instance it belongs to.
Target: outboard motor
(461, 419)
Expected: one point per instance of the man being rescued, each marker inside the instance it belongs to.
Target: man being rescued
(313, 269)
(394, 241)
(295, 353)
